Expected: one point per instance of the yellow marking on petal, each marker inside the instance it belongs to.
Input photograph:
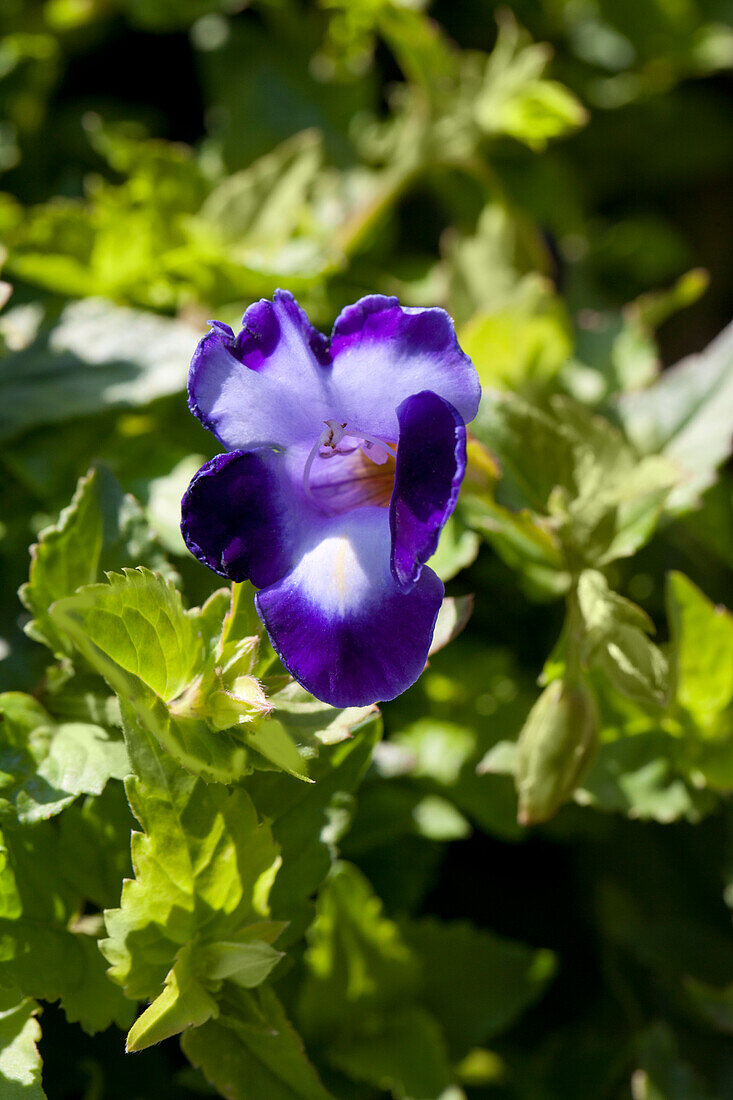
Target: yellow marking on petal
(340, 575)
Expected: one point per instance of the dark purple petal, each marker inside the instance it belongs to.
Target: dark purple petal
(268, 385)
(338, 621)
(384, 352)
(431, 461)
(238, 516)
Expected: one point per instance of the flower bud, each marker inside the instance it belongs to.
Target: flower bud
(241, 703)
(554, 750)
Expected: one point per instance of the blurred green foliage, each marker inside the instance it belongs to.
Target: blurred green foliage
(557, 175)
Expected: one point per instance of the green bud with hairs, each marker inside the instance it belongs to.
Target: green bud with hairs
(555, 749)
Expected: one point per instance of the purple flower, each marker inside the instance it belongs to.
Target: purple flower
(344, 459)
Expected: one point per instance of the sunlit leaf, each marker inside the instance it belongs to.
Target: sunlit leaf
(20, 1061)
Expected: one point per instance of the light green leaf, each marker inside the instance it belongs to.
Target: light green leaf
(521, 342)
(577, 468)
(204, 866)
(263, 212)
(248, 962)
(687, 415)
(483, 269)
(645, 776)
(514, 100)
(455, 611)
(702, 652)
(273, 741)
(475, 983)
(101, 529)
(163, 505)
(11, 905)
(183, 1003)
(524, 540)
(457, 549)
(253, 1052)
(20, 1061)
(308, 718)
(98, 356)
(134, 626)
(45, 765)
(135, 632)
(539, 112)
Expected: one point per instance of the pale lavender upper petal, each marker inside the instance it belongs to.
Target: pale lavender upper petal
(431, 461)
(383, 353)
(268, 385)
(339, 622)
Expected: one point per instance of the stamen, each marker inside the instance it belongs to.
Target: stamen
(373, 440)
(330, 437)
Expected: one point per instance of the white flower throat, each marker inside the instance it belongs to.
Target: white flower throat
(338, 477)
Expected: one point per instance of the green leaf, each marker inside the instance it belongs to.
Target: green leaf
(702, 652)
(403, 1053)
(134, 626)
(307, 818)
(163, 504)
(358, 999)
(272, 740)
(264, 214)
(204, 866)
(45, 765)
(248, 962)
(357, 961)
(577, 468)
(252, 1052)
(475, 983)
(95, 845)
(715, 1005)
(524, 540)
(98, 356)
(455, 611)
(458, 548)
(484, 268)
(616, 641)
(662, 1074)
(309, 719)
(135, 632)
(541, 111)
(20, 1061)
(101, 529)
(514, 100)
(521, 342)
(183, 1003)
(645, 776)
(389, 812)
(46, 949)
(687, 416)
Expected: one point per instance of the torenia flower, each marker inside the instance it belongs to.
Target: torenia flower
(344, 459)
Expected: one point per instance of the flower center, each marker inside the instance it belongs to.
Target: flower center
(347, 469)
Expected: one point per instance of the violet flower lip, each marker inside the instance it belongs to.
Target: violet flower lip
(343, 462)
